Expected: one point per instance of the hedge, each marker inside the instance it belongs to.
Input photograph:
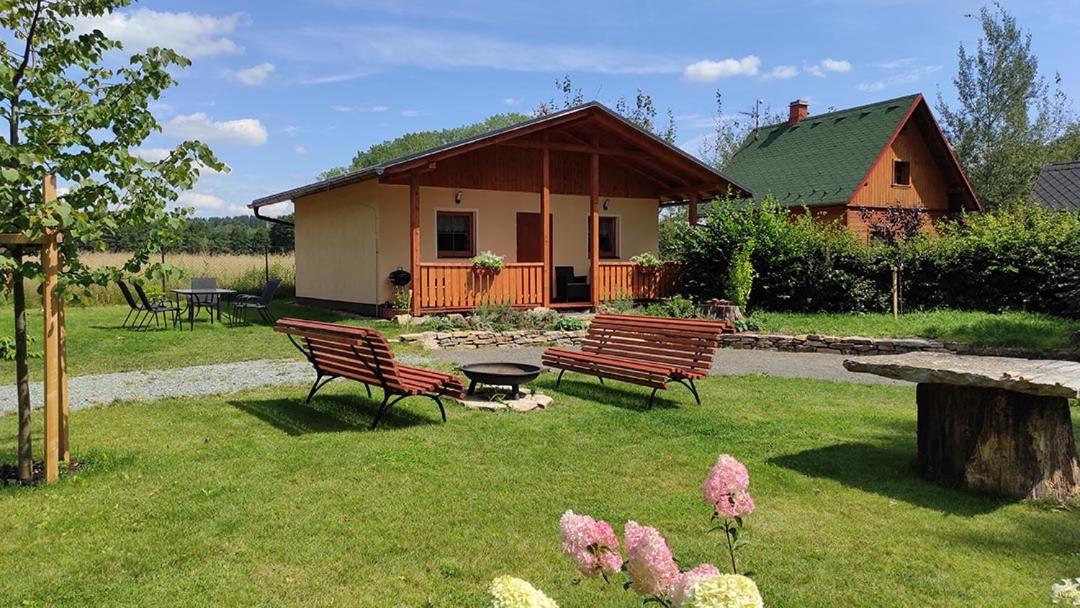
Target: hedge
(1019, 257)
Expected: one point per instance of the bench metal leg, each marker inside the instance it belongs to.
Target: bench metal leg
(689, 383)
(601, 379)
(651, 398)
(559, 379)
(442, 410)
(386, 403)
(318, 384)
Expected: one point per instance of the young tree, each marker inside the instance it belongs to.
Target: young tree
(76, 114)
(1006, 115)
(731, 131)
(894, 227)
(642, 113)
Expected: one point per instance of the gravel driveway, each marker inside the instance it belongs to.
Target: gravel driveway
(203, 380)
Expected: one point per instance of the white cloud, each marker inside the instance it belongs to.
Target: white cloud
(707, 70)
(200, 201)
(361, 50)
(190, 34)
(301, 150)
(409, 113)
(512, 101)
(255, 75)
(151, 155)
(344, 108)
(906, 77)
(782, 72)
(828, 65)
(243, 131)
(379, 108)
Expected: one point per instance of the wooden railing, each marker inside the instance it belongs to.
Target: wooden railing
(626, 280)
(445, 287)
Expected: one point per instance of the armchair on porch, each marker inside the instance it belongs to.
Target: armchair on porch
(569, 287)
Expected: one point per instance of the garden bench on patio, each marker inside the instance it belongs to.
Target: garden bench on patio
(648, 351)
(364, 355)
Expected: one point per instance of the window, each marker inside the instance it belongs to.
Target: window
(455, 234)
(901, 173)
(609, 235)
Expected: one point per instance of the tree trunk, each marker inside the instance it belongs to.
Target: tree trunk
(997, 440)
(723, 309)
(22, 372)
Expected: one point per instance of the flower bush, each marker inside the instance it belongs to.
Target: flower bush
(486, 260)
(510, 592)
(591, 543)
(727, 490)
(649, 562)
(647, 261)
(1066, 592)
(685, 581)
(723, 591)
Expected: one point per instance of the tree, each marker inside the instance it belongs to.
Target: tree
(730, 132)
(642, 113)
(1006, 115)
(894, 227)
(282, 237)
(411, 143)
(71, 114)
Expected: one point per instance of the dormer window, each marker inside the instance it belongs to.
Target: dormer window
(901, 173)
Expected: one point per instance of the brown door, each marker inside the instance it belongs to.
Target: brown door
(529, 238)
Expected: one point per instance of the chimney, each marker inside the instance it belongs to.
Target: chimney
(798, 110)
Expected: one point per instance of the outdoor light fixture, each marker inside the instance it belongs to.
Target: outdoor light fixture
(457, 198)
(606, 201)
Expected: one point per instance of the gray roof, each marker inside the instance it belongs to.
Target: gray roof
(1058, 186)
(377, 170)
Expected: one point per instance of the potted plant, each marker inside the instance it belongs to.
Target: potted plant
(647, 263)
(399, 305)
(487, 263)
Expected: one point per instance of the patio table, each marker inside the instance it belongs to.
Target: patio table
(191, 294)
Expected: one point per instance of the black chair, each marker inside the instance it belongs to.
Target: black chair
(134, 308)
(260, 303)
(155, 308)
(570, 288)
(208, 302)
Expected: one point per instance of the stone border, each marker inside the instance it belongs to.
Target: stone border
(837, 345)
(480, 339)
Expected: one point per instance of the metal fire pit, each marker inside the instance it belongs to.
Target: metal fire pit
(501, 374)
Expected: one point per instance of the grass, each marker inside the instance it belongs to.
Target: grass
(256, 500)
(1019, 329)
(97, 344)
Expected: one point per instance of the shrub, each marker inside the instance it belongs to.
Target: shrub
(486, 260)
(559, 322)
(647, 260)
(619, 305)
(678, 306)
(741, 276)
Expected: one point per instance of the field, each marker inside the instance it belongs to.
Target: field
(256, 500)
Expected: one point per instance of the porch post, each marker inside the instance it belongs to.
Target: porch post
(414, 241)
(594, 229)
(545, 231)
(693, 209)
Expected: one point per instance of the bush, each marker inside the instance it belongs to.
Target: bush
(678, 306)
(620, 305)
(740, 277)
(1018, 257)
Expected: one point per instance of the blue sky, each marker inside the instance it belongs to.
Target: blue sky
(283, 91)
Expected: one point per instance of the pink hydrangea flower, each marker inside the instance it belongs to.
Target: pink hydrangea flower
(727, 488)
(680, 587)
(591, 543)
(649, 562)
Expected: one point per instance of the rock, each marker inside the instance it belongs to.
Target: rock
(403, 319)
(1048, 378)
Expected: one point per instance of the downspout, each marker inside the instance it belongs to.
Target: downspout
(272, 220)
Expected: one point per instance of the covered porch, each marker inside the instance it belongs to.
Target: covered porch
(599, 179)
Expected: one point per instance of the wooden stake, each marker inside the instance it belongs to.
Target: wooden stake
(895, 293)
(65, 410)
(50, 262)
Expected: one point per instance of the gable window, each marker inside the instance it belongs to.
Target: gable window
(901, 173)
(456, 234)
(609, 235)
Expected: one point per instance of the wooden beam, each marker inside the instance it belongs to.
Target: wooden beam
(583, 149)
(594, 229)
(50, 266)
(20, 239)
(692, 211)
(414, 241)
(545, 222)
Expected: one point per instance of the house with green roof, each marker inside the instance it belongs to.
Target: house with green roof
(839, 164)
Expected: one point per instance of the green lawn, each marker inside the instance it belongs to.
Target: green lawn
(255, 500)
(979, 328)
(97, 344)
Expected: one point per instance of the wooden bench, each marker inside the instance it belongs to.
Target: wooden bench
(364, 355)
(648, 351)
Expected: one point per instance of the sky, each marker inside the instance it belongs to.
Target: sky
(285, 90)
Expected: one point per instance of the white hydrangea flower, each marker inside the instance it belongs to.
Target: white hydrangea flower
(1066, 592)
(724, 591)
(510, 592)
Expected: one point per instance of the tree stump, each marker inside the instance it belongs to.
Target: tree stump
(723, 310)
(997, 440)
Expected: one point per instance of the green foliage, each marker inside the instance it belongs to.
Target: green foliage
(557, 322)
(215, 235)
(486, 260)
(443, 323)
(647, 260)
(740, 277)
(402, 300)
(411, 143)
(622, 304)
(7, 349)
(678, 306)
(1018, 257)
(496, 317)
(1008, 116)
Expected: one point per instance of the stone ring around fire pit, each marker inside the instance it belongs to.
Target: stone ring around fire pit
(501, 374)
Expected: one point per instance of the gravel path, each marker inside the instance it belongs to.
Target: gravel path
(203, 380)
(728, 362)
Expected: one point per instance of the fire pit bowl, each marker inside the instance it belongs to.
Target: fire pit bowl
(500, 374)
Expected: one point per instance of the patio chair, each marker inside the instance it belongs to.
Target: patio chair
(260, 303)
(134, 308)
(155, 308)
(208, 302)
(569, 287)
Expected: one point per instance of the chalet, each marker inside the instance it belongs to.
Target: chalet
(1058, 186)
(598, 178)
(836, 164)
